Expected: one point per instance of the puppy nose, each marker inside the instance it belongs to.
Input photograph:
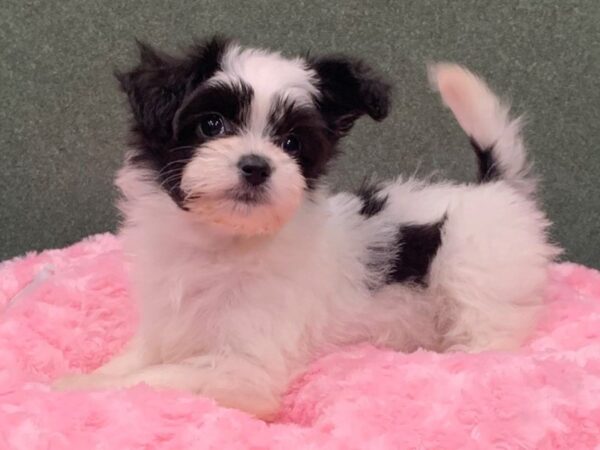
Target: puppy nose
(254, 169)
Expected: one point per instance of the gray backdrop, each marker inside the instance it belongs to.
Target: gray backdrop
(63, 122)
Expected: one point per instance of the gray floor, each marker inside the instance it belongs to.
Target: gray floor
(62, 120)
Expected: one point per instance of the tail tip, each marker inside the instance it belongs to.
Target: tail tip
(476, 108)
(455, 83)
(443, 74)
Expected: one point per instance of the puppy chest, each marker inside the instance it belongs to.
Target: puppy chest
(236, 311)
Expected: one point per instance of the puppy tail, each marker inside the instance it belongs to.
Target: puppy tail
(495, 136)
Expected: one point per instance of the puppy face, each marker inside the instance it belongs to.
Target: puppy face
(239, 137)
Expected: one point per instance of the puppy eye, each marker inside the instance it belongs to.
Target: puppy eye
(212, 125)
(291, 144)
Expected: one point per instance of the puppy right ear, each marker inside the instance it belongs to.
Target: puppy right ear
(157, 85)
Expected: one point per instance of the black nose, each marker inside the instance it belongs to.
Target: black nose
(254, 169)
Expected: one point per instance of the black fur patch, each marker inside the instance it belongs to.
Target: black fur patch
(318, 146)
(488, 167)
(417, 246)
(156, 88)
(231, 101)
(373, 203)
(349, 89)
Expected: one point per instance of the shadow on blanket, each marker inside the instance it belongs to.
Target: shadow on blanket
(68, 311)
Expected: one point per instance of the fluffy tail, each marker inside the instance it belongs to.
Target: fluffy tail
(495, 137)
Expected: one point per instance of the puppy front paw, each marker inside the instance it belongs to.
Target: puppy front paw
(79, 382)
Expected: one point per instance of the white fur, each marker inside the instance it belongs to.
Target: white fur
(237, 316)
(270, 75)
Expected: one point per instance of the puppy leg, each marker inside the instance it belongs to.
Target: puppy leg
(232, 382)
(133, 357)
(491, 269)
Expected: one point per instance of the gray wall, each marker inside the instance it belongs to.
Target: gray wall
(63, 121)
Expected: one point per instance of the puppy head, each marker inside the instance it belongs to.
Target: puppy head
(239, 137)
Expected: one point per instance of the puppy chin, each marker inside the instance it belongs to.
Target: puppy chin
(244, 215)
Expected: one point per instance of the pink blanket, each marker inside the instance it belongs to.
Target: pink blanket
(68, 311)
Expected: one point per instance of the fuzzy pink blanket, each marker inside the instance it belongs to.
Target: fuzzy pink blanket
(68, 311)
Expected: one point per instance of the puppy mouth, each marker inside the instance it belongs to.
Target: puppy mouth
(248, 195)
(243, 195)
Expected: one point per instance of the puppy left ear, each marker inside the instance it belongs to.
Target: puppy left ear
(157, 85)
(349, 89)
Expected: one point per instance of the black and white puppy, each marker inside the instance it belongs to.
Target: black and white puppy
(246, 268)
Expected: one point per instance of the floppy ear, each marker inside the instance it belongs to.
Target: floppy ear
(349, 89)
(158, 84)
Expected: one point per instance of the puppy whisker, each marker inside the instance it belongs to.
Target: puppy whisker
(167, 166)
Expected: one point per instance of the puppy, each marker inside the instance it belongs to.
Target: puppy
(245, 267)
